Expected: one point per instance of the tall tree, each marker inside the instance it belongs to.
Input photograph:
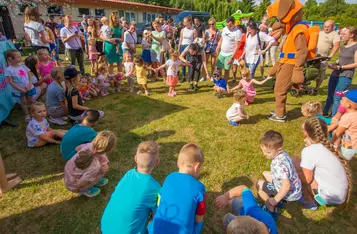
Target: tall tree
(246, 6)
(261, 10)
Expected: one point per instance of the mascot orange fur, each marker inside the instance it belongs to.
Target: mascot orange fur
(294, 52)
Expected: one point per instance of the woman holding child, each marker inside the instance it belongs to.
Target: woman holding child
(110, 44)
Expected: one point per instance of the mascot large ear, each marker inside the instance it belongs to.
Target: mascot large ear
(284, 8)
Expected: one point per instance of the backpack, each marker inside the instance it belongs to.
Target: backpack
(312, 37)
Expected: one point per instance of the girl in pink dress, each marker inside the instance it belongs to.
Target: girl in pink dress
(93, 55)
(84, 172)
(246, 84)
(45, 65)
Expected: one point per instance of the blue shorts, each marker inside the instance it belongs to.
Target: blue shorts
(237, 206)
(29, 93)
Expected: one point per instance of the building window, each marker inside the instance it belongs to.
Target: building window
(84, 11)
(121, 14)
(23, 6)
(99, 12)
(153, 17)
(144, 17)
(132, 17)
(54, 10)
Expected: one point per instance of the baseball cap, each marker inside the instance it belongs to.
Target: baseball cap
(70, 73)
(145, 31)
(216, 72)
(352, 95)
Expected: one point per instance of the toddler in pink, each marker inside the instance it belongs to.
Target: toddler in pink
(45, 65)
(84, 172)
(246, 84)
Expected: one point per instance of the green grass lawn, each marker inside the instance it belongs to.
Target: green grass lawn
(41, 204)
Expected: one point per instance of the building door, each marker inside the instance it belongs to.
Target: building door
(6, 26)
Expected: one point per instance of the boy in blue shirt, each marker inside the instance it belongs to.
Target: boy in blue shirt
(248, 217)
(220, 85)
(182, 197)
(79, 134)
(136, 195)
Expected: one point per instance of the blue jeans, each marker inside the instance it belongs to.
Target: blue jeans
(335, 84)
(252, 67)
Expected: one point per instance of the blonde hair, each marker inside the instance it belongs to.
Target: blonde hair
(174, 53)
(245, 72)
(353, 30)
(190, 154)
(104, 19)
(126, 54)
(41, 52)
(188, 19)
(105, 141)
(92, 42)
(239, 96)
(147, 154)
(35, 105)
(57, 73)
(311, 108)
(66, 19)
(112, 23)
(213, 20)
(245, 225)
(242, 64)
(31, 14)
(317, 131)
(102, 67)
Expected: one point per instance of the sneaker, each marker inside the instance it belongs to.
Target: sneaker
(57, 121)
(147, 93)
(64, 118)
(340, 93)
(272, 112)
(101, 114)
(235, 124)
(307, 205)
(278, 119)
(102, 182)
(139, 92)
(202, 79)
(102, 94)
(117, 90)
(174, 93)
(91, 192)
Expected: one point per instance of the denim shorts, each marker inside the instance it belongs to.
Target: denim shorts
(29, 93)
(237, 206)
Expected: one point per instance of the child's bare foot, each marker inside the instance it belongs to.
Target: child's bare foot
(246, 103)
(14, 182)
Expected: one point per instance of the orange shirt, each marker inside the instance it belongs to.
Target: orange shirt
(240, 50)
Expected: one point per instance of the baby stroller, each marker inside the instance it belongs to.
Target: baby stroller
(311, 72)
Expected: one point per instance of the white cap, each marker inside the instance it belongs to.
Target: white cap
(145, 31)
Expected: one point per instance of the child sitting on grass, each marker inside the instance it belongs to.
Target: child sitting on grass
(182, 190)
(236, 113)
(282, 182)
(135, 196)
(84, 173)
(79, 134)
(347, 127)
(220, 85)
(38, 131)
(246, 83)
(248, 217)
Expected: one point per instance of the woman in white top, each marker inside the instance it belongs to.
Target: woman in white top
(72, 38)
(323, 172)
(254, 46)
(187, 35)
(130, 40)
(34, 30)
(157, 37)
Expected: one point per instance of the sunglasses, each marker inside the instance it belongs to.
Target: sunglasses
(211, 24)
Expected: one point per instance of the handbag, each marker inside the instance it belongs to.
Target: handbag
(211, 47)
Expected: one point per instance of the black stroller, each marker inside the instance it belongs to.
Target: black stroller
(311, 72)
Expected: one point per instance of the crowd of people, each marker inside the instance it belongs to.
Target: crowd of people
(321, 177)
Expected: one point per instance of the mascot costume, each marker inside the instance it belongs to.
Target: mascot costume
(297, 45)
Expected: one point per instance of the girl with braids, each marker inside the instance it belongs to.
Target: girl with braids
(324, 174)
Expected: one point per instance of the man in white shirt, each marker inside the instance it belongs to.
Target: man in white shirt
(327, 45)
(227, 46)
